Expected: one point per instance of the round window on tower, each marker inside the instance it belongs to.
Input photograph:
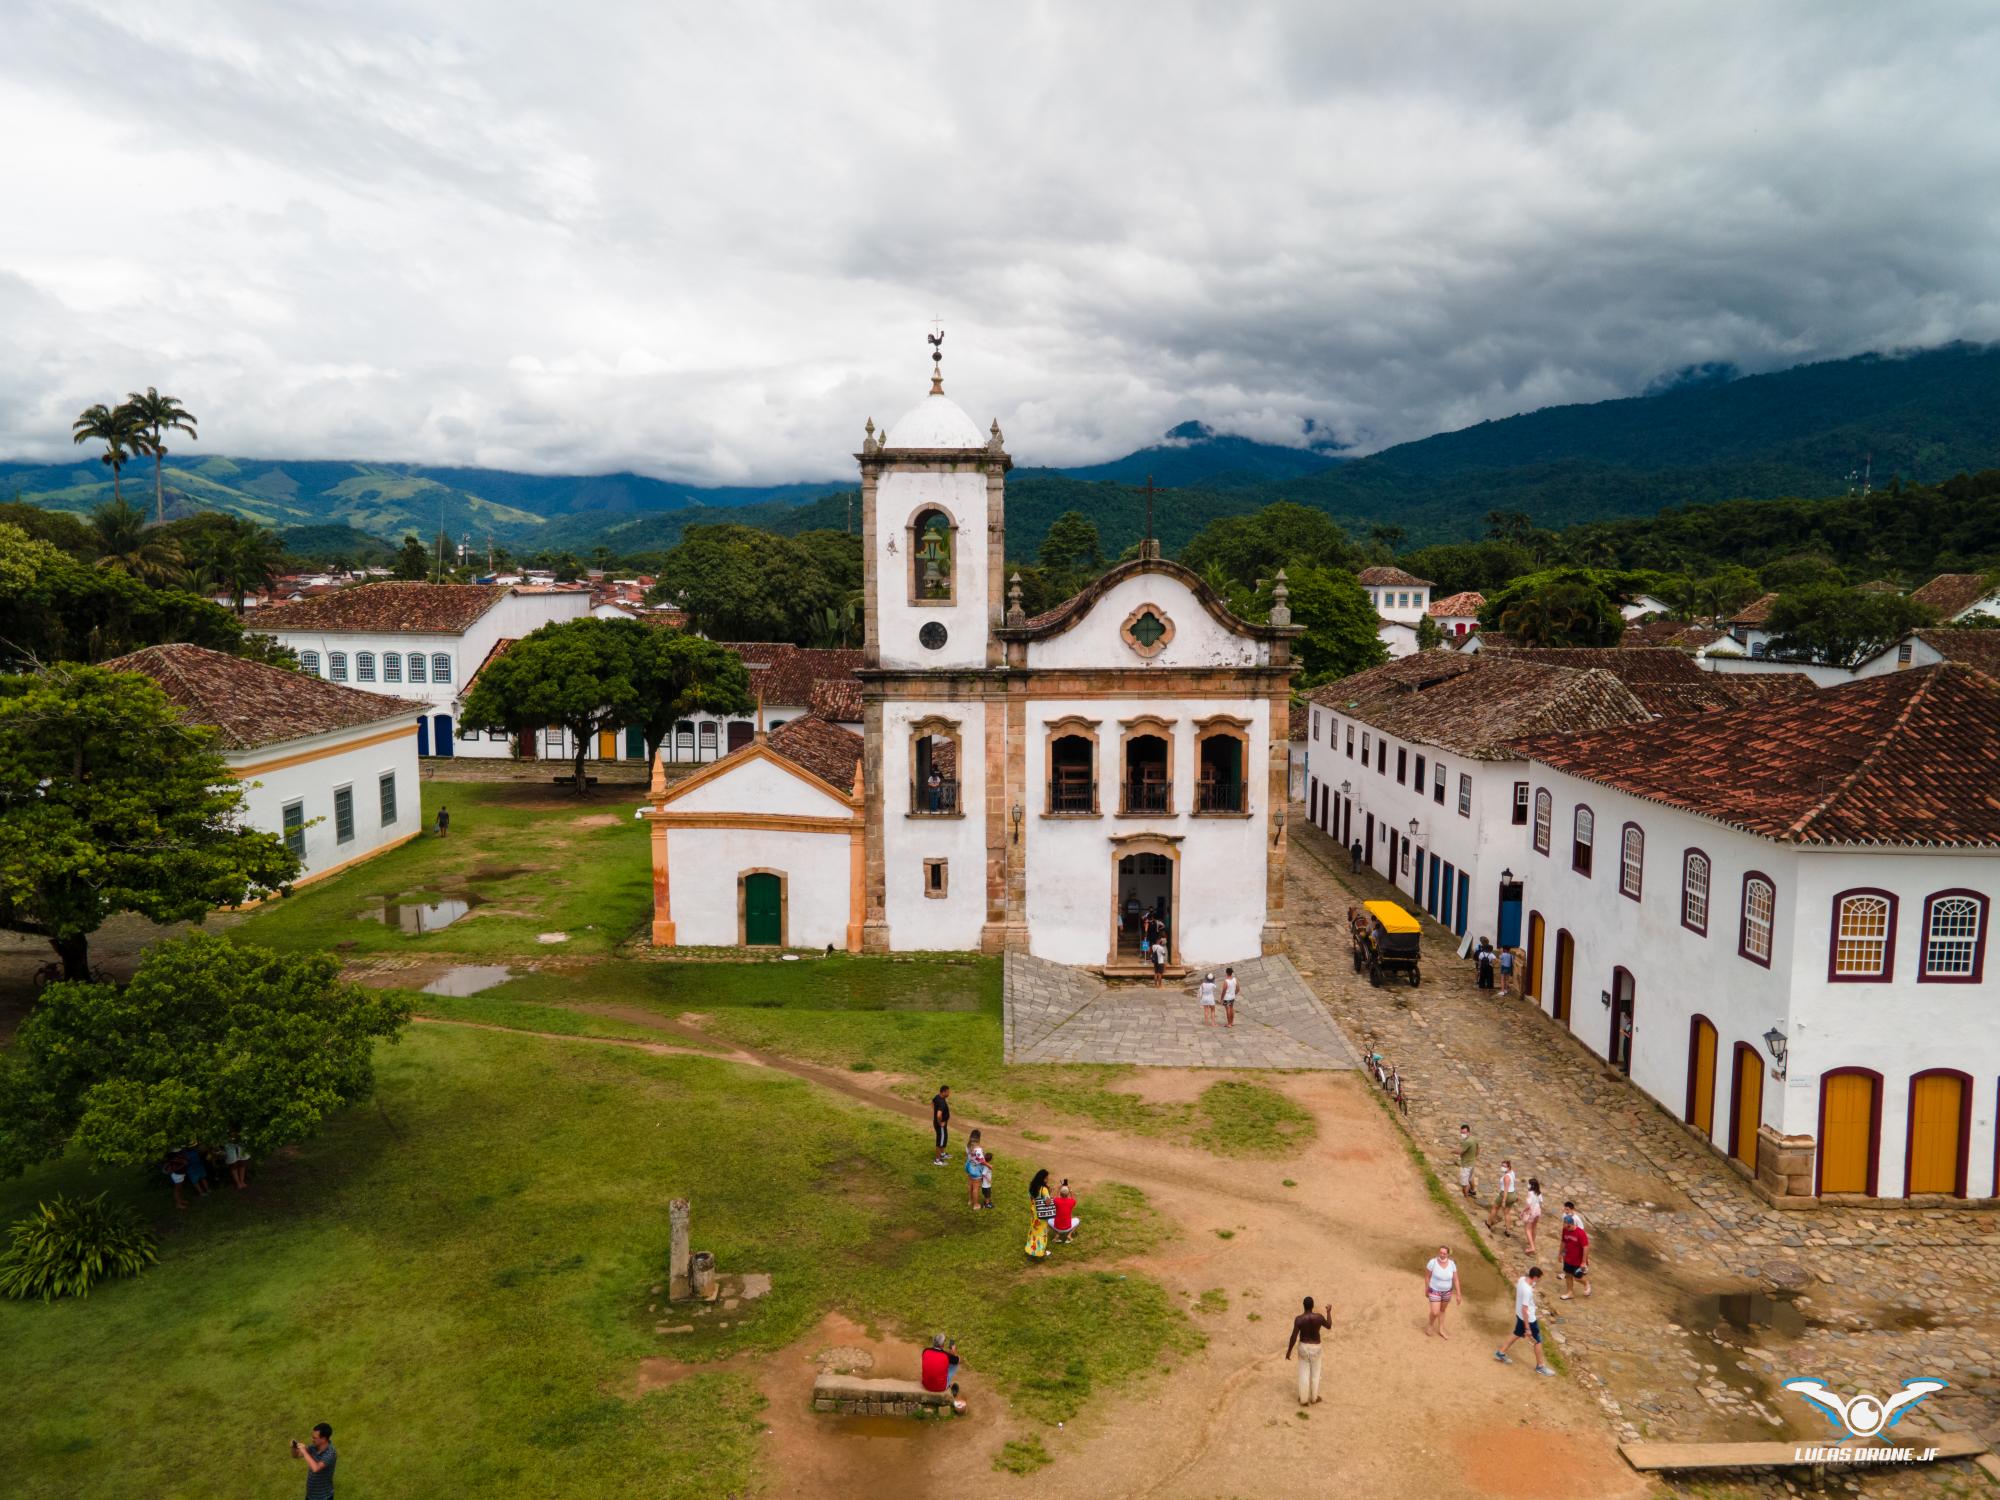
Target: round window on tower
(933, 636)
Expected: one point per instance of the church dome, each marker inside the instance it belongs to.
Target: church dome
(937, 421)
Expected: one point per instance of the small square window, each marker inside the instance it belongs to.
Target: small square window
(937, 879)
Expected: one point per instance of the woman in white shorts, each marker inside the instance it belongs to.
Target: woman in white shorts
(1440, 1289)
(1208, 999)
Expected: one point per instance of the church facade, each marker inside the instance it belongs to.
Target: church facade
(1027, 784)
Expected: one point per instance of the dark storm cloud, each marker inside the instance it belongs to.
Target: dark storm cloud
(705, 243)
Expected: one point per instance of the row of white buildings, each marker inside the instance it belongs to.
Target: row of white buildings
(1768, 905)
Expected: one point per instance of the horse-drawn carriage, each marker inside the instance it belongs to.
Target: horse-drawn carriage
(1385, 941)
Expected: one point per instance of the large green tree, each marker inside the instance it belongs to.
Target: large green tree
(126, 544)
(117, 427)
(1341, 630)
(741, 584)
(413, 564)
(209, 1038)
(1562, 607)
(109, 802)
(1251, 548)
(581, 674)
(228, 553)
(54, 608)
(155, 416)
(1823, 622)
(675, 674)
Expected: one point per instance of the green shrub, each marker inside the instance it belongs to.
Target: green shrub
(65, 1248)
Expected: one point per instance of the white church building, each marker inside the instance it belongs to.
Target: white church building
(1023, 784)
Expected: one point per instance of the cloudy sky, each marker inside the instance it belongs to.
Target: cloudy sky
(705, 242)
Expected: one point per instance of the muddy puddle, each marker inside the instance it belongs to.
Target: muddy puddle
(468, 979)
(415, 918)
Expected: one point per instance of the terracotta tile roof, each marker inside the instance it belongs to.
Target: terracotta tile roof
(1476, 704)
(1460, 606)
(1378, 577)
(1747, 688)
(1755, 612)
(1907, 758)
(388, 608)
(1665, 680)
(828, 751)
(782, 675)
(493, 653)
(1676, 633)
(837, 700)
(1878, 586)
(252, 704)
(1951, 594)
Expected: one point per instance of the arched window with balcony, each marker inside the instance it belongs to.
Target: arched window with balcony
(1072, 761)
(1146, 766)
(1583, 841)
(934, 763)
(932, 539)
(1222, 765)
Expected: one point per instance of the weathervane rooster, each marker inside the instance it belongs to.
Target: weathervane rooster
(936, 341)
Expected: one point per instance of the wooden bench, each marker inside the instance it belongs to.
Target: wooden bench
(858, 1396)
(568, 780)
(1658, 1458)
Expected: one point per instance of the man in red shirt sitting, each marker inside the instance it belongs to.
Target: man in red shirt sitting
(1066, 1219)
(937, 1364)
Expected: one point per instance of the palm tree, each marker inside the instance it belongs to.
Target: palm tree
(157, 416)
(124, 545)
(118, 428)
(248, 559)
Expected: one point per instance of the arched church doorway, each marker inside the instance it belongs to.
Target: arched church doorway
(1145, 878)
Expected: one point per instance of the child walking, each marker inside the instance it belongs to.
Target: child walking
(975, 1168)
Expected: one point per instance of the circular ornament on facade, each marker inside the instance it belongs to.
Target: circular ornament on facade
(933, 636)
(1147, 630)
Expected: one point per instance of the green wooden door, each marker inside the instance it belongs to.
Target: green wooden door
(762, 924)
(635, 743)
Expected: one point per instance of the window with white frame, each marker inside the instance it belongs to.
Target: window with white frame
(1520, 802)
(1631, 861)
(440, 667)
(309, 662)
(1694, 891)
(1417, 781)
(1861, 924)
(386, 790)
(417, 666)
(392, 666)
(1545, 810)
(364, 666)
(1954, 930)
(1366, 748)
(1437, 783)
(1465, 794)
(343, 815)
(1350, 742)
(336, 665)
(1583, 840)
(1315, 726)
(294, 818)
(1760, 905)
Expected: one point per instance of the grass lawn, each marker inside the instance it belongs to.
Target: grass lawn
(534, 858)
(458, 1279)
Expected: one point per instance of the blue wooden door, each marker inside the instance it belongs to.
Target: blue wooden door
(1510, 922)
(1464, 901)
(441, 733)
(423, 736)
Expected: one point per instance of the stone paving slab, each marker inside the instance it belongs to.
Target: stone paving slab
(1057, 1014)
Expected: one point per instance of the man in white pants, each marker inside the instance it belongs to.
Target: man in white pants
(1306, 1329)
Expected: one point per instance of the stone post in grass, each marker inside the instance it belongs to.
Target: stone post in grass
(677, 1250)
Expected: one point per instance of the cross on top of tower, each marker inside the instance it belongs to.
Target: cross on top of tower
(936, 341)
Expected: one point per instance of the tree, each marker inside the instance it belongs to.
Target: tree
(109, 802)
(1560, 607)
(413, 564)
(1072, 545)
(1386, 537)
(1514, 526)
(1340, 625)
(675, 674)
(581, 674)
(126, 545)
(1484, 567)
(227, 553)
(1253, 547)
(1824, 622)
(156, 416)
(1429, 637)
(54, 608)
(117, 427)
(741, 584)
(210, 1038)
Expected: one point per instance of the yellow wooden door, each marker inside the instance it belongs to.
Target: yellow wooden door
(607, 744)
(1749, 1107)
(1536, 928)
(1935, 1110)
(1847, 1109)
(1701, 1109)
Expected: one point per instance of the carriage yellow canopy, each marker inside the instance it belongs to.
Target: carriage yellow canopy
(1392, 917)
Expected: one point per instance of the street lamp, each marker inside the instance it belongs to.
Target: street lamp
(1414, 826)
(1506, 877)
(1779, 1045)
(1346, 787)
(1017, 822)
(1278, 818)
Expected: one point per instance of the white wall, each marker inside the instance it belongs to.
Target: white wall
(1199, 639)
(1399, 603)
(703, 865)
(1070, 859)
(917, 921)
(899, 496)
(1822, 676)
(758, 786)
(313, 782)
(1398, 636)
(1922, 654)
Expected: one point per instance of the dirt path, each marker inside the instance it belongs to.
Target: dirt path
(1402, 1414)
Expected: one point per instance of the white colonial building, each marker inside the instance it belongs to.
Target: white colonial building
(1776, 920)
(1023, 784)
(1401, 600)
(424, 641)
(331, 770)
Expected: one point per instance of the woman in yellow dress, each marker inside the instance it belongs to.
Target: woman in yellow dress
(1044, 1205)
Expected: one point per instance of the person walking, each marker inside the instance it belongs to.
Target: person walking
(1483, 956)
(319, 1458)
(1506, 971)
(1527, 1325)
(1354, 858)
(975, 1169)
(1503, 1199)
(1531, 1214)
(1229, 992)
(1160, 956)
(236, 1157)
(1306, 1329)
(444, 820)
(1575, 1252)
(941, 1124)
(1440, 1289)
(1468, 1163)
(1207, 993)
(1043, 1207)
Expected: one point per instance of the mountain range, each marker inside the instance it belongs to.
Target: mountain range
(1705, 434)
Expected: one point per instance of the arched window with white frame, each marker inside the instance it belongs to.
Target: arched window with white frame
(440, 667)
(1631, 861)
(1954, 947)
(1759, 918)
(1583, 841)
(364, 666)
(1864, 936)
(417, 667)
(309, 662)
(336, 665)
(1696, 872)
(392, 666)
(1545, 812)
